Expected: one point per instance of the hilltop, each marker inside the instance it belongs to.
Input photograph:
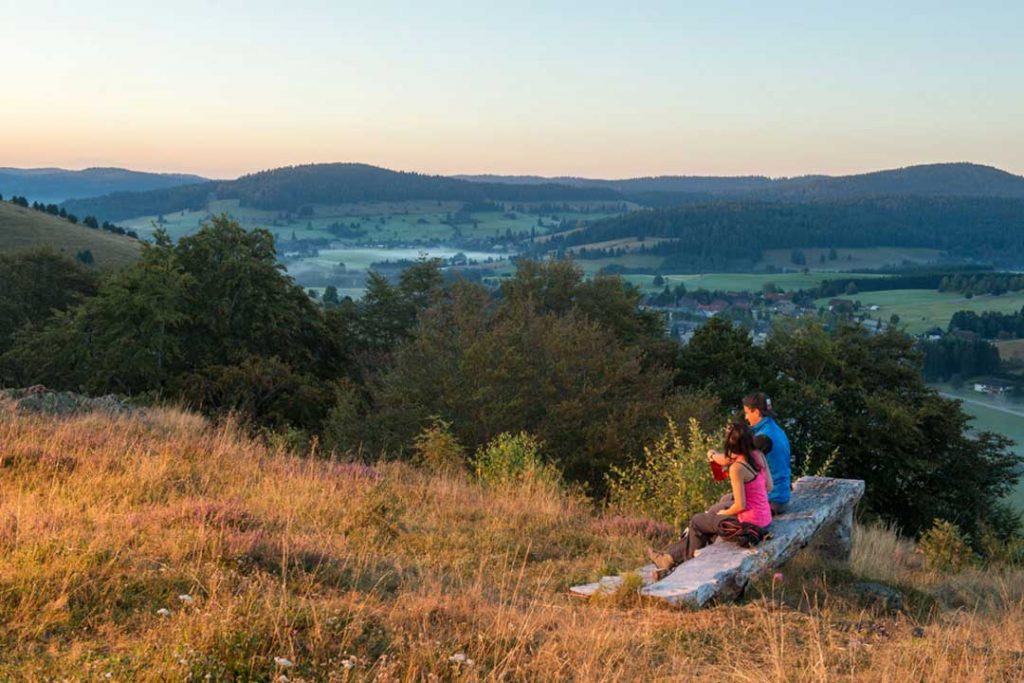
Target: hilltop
(926, 180)
(291, 188)
(21, 227)
(55, 185)
(154, 545)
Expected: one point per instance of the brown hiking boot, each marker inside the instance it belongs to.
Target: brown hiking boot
(662, 561)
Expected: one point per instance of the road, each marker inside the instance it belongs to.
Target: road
(983, 404)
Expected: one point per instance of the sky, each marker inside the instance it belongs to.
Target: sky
(223, 88)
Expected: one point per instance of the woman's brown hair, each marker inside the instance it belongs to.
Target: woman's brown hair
(739, 440)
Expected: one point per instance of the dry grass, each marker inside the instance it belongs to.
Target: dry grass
(22, 228)
(384, 573)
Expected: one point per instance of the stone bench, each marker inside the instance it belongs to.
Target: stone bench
(820, 513)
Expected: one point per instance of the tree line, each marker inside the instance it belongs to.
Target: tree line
(212, 321)
(294, 187)
(732, 235)
(953, 357)
(982, 283)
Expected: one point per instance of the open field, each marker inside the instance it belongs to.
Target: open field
(1011, 349)
(741, 282)
(160, 547)
(382, 221)
(999, 415)
(921, 309)
(851, 259)
(21, 228)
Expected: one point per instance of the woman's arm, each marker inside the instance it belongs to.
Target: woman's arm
(768, 483)
(739, 494)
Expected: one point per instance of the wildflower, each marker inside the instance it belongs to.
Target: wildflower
(348, 663)
(283, 662)
(164, 612)
(185, 598)
(458, 658)
(777, 577)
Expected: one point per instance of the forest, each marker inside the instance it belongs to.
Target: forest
(291, 188)
(731, 235)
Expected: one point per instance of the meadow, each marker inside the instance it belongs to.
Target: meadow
(22, 228)
(158, 546)
(850, 259)
(383, 221)
(742, 282)
(921, 309)
(999, 415)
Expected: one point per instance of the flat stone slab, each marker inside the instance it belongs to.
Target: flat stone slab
(723, 569)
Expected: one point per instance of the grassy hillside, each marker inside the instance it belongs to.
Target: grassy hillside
(21, 228)
(159, 547)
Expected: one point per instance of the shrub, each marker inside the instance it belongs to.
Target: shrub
(672, 482)
(438, 449)
(512, 458)
(945, 548)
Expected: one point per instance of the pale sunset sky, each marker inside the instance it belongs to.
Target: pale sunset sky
(598, 89)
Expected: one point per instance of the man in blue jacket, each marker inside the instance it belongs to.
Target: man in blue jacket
(757, 409)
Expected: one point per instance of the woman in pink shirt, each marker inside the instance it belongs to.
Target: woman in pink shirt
(750, 481)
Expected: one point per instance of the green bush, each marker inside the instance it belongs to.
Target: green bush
(512, 458)
(437, 448)
(673, 481)
(945, 548)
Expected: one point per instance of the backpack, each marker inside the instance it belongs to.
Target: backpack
(743, 534)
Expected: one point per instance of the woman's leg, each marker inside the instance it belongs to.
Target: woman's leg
(702, 530)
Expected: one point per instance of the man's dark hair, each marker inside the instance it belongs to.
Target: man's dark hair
(758, 401)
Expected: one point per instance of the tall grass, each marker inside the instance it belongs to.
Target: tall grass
(390, 572)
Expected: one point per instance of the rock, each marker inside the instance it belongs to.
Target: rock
(877, 594)
(821, 511)
(918, 632)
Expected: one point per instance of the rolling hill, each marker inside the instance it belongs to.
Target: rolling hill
(290, 188)
(928, 180)
(22, 228)
(732, 235)
(55, 185)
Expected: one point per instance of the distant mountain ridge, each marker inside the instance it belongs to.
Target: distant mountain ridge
(958, 179)
(56, 185)
(292, 187)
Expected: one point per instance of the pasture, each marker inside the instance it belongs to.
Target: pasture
(382, 222)
(22, 228)
(999, 415)
(1011, 349)
(741, 282)
(850, 259)
(921, 309)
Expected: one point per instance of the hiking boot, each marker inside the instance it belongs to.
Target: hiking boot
(662, 561)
